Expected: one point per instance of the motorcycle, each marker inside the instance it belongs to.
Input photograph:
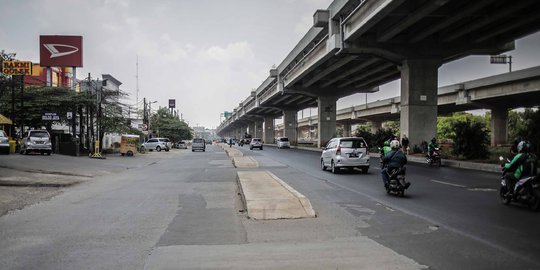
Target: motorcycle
(241, 143)
(526, 191)
(397, 184)
(435, 158)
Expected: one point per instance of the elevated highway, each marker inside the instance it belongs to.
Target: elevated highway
(355, 46)
(498, 93)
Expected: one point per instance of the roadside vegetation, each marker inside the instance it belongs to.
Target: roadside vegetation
(465, 136)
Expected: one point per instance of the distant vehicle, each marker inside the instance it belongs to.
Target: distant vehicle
(347, 152)
(158, 144)
(283, 142)
(198, 144)
(256, 143)
(4, 143)
(36, 141)
(181, 145)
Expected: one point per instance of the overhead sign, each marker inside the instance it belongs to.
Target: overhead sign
(17, 68)
(498, 59)
(50, 116)
(60, 51)
(172, 103)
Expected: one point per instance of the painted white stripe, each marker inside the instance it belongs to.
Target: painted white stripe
(446, 183)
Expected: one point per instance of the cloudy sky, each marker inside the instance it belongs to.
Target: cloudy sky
(206, 54)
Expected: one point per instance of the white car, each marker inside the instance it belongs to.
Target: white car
(348, 152)
(198, 144)
(4, 142)
(158, 144)
(36, 141)
(255, 143)
(283, 142)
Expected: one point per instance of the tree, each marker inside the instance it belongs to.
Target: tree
(526, 125)
(364, 132)
(446, 124)
(471, 139)
(170, 126)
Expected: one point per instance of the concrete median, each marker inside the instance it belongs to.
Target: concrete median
(244, 162)
(268, 197)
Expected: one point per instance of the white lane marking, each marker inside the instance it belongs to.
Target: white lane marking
(482, 189)
(446, 183)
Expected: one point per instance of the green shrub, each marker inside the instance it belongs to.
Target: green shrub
(471, 139)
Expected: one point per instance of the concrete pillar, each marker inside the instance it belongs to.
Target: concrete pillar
(251, 129)
(258, 129)
(499, 126)
(290, 126)
(347, 129)
(326, 120)
(375, 126)
(269, 132)
(418, 117)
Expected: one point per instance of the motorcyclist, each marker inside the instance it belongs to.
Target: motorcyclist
(431, 147)
(513, 148)
(522, 165)
(395, 159)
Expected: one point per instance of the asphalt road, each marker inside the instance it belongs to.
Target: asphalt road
(449, 219)
(181, 210)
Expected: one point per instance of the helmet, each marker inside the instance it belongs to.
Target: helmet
(434, 139)
(523, 147)
(394, 144)
(386, 143)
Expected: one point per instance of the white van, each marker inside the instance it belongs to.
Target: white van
(283, 142)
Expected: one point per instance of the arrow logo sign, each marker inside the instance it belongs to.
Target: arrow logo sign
(56, 53)
(60, 51)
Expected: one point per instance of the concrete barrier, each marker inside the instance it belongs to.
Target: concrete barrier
(267, 197)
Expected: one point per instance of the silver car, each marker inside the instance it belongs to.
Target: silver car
(198, 144)
(158, 144)
(283, 142)
(348, 152)
(256, 143)
(36, 141)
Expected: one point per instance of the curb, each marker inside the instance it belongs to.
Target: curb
(304, 201)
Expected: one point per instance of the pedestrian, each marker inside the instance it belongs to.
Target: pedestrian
(405, 144)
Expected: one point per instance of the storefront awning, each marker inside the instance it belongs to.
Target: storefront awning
(5, 121)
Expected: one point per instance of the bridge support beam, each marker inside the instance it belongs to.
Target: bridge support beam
(251, 129)
(499, 126)
(269, 132)
(375, 126)
(418, 117)
(258, 129)
(347, 130)
(290, 126)
(326, 119)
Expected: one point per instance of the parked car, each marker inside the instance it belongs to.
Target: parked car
(36, 141)
(4, 143)
(283, 142)
(255, 143)
(198, 144)
(347, 152)
(157, 144)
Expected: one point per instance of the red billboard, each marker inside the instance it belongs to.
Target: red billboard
(60, 51)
